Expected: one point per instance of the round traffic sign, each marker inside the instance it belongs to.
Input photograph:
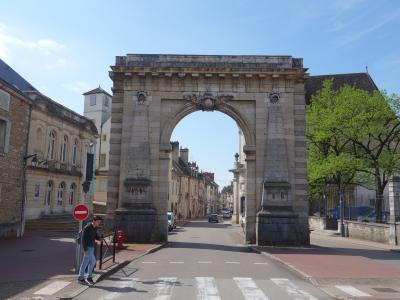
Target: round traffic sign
(80, 212)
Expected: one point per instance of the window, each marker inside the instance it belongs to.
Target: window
(4, 100)
(74, 151)
(60, 194)
(52, 144)
(103, 158)
(72, 190)
(39, 141)
(64, 144)
(106, 101)
(104, 137)
(3, 132)
(92, 100)
(49, 193)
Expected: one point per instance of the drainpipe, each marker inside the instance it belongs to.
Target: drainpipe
(22, 217)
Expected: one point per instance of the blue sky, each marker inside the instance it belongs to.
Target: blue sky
(65, 48)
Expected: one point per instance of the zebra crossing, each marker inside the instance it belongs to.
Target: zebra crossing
(201, 288)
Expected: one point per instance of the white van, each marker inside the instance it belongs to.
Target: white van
(171, 221)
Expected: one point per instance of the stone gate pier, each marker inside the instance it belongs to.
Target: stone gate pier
(263, 94)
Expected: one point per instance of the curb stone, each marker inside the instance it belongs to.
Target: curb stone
(111, 270)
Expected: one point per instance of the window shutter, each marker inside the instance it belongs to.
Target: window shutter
(8, 137)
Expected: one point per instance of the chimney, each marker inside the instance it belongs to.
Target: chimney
(184, 154)
(175, 151)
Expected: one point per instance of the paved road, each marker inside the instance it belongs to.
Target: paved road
(206, 262)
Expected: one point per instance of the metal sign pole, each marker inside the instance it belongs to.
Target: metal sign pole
(78, 249)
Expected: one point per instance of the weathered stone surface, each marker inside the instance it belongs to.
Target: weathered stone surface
(261, 93)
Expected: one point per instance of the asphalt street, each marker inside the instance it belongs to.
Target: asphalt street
(208, 262)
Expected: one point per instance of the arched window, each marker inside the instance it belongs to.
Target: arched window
(49, 193)
(74, 152)
(60, 194)
(72, 191)
(52, 145)
(39, 141)
(64, 145)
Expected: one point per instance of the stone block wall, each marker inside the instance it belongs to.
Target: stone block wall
(368, 231)
(11, 163)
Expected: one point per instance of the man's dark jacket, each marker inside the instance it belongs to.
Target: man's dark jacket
(89, 235)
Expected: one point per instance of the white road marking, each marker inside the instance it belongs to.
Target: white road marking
(352, 291)
(176, 262)
(164, 288)
(52, 288)
(207, 288)
(204, 262)
(148, 262)
(249, 289)
(293, 290)
(232, 262)
(124, 282)
(261, 263)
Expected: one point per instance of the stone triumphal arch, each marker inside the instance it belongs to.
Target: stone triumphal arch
(263, 94)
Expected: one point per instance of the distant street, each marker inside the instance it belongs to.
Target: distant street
(204, 261)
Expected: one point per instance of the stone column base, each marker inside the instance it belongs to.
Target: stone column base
(281, 228)
(139, 225)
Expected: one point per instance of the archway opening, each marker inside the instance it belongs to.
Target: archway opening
(207, 172)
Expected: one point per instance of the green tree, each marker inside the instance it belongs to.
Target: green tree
(369, 121)
(330, 159)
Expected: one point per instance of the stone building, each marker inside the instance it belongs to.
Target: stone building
(63, 142)
(97, 107)
(190, 191)
(59, 150)
(15, 109)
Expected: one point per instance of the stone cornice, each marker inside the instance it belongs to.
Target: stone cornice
(207, 65)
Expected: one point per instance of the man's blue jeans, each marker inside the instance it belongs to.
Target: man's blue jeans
(88, 259)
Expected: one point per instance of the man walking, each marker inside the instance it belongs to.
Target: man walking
(88, 240)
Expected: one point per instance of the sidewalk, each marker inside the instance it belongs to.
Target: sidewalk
(332, 262)
(44, 261)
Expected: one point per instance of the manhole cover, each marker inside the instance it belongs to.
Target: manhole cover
(385, 290)
(28, 250)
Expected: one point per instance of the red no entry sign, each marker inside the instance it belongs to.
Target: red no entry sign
(80, 212)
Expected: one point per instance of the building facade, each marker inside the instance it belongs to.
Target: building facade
(14, 128)
(191, 192)
(97, 107)
(63, 143)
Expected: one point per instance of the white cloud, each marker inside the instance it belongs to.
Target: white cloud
(8, 42)
(59, 63)
(349, 38)
(77, 86)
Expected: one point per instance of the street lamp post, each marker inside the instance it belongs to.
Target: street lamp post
(341, 200)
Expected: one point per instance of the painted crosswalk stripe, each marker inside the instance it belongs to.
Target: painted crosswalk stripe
(232, 262)
(164, 288)
(352, 291)
(148, 262)
(207, 289)
(122, 283)
(249, 289)
(257, 263)
(293, 290)
(52, 288)
(176, 262)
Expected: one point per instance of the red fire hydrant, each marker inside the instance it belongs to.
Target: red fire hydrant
(120, 239)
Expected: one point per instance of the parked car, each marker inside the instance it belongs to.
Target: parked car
(214, 218)
(226, 214)
(171, 221)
